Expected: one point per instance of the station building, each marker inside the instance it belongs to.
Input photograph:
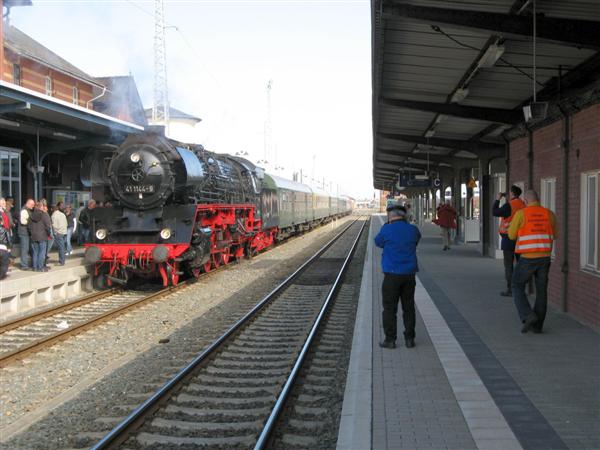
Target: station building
(56, 120)
(459, 96)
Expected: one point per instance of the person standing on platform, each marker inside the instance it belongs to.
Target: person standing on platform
(60, 228)
(23, 232)
(399, 240)
(446, 220)
(85, 220)
(506, 214)
(40, 229)
(534, 228)
(71, 227)
(4, 239)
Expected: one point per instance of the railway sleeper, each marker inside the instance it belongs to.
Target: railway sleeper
(214, 414)
(241, 391)
(203, 428)
(220, 402)
(157, 441)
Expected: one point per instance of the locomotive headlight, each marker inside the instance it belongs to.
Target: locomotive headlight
(101, 234)
(135, 157)
(165, 233)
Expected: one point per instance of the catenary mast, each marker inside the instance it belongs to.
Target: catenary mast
(160, 109)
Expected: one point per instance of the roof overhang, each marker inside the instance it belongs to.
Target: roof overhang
(450, 77)
(28, 112)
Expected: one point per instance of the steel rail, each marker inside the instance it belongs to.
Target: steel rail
(5, 358)
(119, 434)
(49, 312)
(287, 388)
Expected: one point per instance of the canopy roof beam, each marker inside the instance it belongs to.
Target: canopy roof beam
(456, 144)
(574, 32)
(505, 116)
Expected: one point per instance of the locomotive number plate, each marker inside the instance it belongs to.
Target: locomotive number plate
(139, 188)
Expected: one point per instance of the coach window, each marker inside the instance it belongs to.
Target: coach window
(590, 218)
(548, 198)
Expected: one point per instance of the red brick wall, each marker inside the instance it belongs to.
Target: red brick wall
(583, 298)
(33, 77)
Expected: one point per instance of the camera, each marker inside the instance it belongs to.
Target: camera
(502, 194)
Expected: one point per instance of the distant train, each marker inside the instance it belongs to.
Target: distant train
(178, 209)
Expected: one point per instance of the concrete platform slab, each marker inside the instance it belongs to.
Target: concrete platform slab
(473, 380)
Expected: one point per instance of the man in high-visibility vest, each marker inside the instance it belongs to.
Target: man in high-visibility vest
(534, 228)
(506, 213)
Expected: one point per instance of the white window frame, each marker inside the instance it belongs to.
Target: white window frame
(595, 266)
(75, 95)
(546, 202)
(48, 85)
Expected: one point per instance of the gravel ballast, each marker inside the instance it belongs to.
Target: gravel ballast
(125, 356)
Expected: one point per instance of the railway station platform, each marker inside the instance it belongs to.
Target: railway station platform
(473, 380)
(25, 291)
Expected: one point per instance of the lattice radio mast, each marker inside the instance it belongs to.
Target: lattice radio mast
(160, 109)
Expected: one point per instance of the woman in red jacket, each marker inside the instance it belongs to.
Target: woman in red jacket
(446, 220)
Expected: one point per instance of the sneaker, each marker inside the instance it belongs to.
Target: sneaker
(507, 293)
(445, 248)
(388, 344)
(409, 342)
(528, 324)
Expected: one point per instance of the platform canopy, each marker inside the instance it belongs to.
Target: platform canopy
(450, 78)
(59, 124)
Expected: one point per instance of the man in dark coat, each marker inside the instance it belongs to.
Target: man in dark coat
(40, 230)
(399, 241)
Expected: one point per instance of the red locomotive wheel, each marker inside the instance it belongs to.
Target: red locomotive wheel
(207, 266)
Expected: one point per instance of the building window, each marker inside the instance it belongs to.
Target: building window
(48, 86)
(548, 198)
(17, 74)
(75, 96)
(10, 176)
(590, 219)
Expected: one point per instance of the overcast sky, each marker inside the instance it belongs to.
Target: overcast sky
(220, 59)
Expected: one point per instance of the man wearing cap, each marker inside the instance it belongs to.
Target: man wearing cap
(399, 240)
(506, 213)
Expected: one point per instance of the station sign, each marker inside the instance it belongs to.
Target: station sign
(408, 181)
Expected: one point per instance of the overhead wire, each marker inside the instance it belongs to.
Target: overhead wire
(462, 44)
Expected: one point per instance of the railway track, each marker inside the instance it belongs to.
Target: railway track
(33, 333)
(231, 394)
(24, 336)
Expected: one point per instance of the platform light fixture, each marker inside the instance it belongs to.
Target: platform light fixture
(459, 95)
(493, 53)
(10, 123)
(429, 133)
(64, 135)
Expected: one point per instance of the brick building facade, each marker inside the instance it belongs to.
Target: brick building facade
(543, 171)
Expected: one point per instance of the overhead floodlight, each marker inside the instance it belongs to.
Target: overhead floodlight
(459, 95)
(491, 56)
(535, 111)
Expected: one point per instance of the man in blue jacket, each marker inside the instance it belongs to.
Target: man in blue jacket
(399, 240)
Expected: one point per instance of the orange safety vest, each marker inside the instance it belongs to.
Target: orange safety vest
(515, 205)
(536, 234)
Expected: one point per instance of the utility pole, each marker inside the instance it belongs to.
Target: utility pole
(268, 137)
(160, 109)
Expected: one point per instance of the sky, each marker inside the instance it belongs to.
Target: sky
(220, 57)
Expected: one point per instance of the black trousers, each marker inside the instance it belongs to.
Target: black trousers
(4, 262)
(509, 258)
(394, 288)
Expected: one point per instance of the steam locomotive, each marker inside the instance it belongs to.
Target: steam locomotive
(180, 210)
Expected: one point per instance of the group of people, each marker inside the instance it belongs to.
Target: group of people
(528, 231)
(38, 228)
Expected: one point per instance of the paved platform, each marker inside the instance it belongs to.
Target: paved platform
(473, 380)
(25, 291)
